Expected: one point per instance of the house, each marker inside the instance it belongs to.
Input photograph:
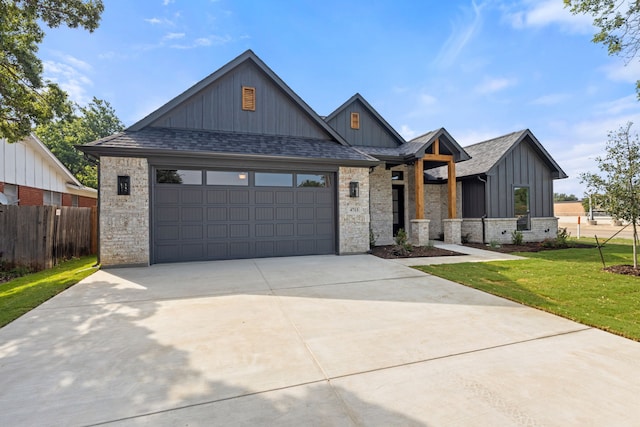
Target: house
(239, 166)
(506, 186)
(30, 175)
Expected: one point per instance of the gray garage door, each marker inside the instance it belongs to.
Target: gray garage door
(213, 215)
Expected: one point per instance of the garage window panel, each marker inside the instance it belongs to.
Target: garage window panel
(240, 178)
(179, 176)
(312, 180)
(268, 179)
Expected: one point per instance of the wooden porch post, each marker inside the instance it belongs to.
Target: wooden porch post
(419, 178)
(451, 180)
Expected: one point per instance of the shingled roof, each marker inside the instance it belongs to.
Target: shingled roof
(487, 154)
(185, 142)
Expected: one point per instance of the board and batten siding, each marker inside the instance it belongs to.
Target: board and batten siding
(218, 107)
(371, 132)
(21, 165)
(521, 167)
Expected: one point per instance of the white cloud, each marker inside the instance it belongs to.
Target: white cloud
(539, 14)
(173, 36)
(551, 99)
(492, 85)
(619, 72)
(213, 40)
(167, 2)
(407, 133)
(462, 32)
(158, 21)
(69, 74)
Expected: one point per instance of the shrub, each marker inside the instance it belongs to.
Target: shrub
(517, 237)
(465, 238)
(494, 244)
(560, 241)
(402, 243)
(372, 238)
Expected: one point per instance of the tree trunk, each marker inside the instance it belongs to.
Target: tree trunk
(635, 243)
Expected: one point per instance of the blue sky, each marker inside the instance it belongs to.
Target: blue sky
(480, 69)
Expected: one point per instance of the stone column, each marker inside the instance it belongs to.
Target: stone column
(452, 231)
(420, 232)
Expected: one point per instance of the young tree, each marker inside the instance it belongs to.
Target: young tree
(619, 180)
(562, 197)
(25, 99)
(96, 120)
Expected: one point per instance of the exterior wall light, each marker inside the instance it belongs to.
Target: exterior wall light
(354, 189)
(124, 185)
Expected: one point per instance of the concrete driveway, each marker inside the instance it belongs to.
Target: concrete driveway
(323, 340)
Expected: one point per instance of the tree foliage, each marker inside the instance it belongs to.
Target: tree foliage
(562, 197)
(618, 22)
(618, 184)
(96, 120)
(25, 98)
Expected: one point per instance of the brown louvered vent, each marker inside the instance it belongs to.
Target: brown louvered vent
(355, 120)
(248, 98)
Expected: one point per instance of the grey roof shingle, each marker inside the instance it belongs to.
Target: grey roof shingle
(486, 154)
(164, 140)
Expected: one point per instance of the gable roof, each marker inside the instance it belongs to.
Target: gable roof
(247, 56)
(486, 155)
(391, 132)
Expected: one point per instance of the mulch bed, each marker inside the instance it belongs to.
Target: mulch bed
(623, 269)
(391, 251)
(525, 247)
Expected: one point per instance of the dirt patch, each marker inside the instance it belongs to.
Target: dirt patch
(392, 251)
(623, 269)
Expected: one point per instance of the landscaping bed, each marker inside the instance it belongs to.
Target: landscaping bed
(526, 247)
(395, 251)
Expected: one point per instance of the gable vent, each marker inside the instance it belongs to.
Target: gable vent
(248, 98)
(355, 120)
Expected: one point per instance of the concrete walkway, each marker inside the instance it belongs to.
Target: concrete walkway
(323, 340)
(469, 255)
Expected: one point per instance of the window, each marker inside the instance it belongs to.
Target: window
(310, 180)
(227, 178)
(248, 98)
(11, 191)
(397, 176)
(355, 120)
(74, 200)
(51, 198)
(521, 207)
(179, 176)
(274, 179)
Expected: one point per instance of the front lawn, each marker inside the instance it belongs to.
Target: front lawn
(22, 294)
(566, 282)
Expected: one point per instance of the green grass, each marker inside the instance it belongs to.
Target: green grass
(23, 294)
(566, 282)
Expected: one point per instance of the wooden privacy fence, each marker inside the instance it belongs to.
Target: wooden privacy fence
(42, 236)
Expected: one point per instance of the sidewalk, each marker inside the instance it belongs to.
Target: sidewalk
(470, 255)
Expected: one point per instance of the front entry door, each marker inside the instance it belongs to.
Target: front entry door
(397, 195)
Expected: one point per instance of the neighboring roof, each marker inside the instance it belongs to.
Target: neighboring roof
(187, 142)
(487, 154)
(417, 147)
(385, 125)
(248, 55)
(74, 186)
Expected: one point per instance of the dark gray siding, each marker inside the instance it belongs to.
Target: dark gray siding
(473, 198)
(218, 108)
(371, 133)
(521, 167)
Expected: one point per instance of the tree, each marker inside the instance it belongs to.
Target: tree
(96, 120)
(25, 99)
(561, 197)
(618, 22)
(619, 181)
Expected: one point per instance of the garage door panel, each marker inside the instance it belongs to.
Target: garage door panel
(191, 196)
(284, 214)
(208, 222)
(264, 230)
(217, 197)
(217, 231)
(264, 214)
(238, 197)
(239, 214)
(284, 197)
(217, 214)
(194, 214)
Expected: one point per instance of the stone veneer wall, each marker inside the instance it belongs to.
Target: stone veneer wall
(381, 205)
(500, 229)
(124, 220)
(436, 204)
(353, 212)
